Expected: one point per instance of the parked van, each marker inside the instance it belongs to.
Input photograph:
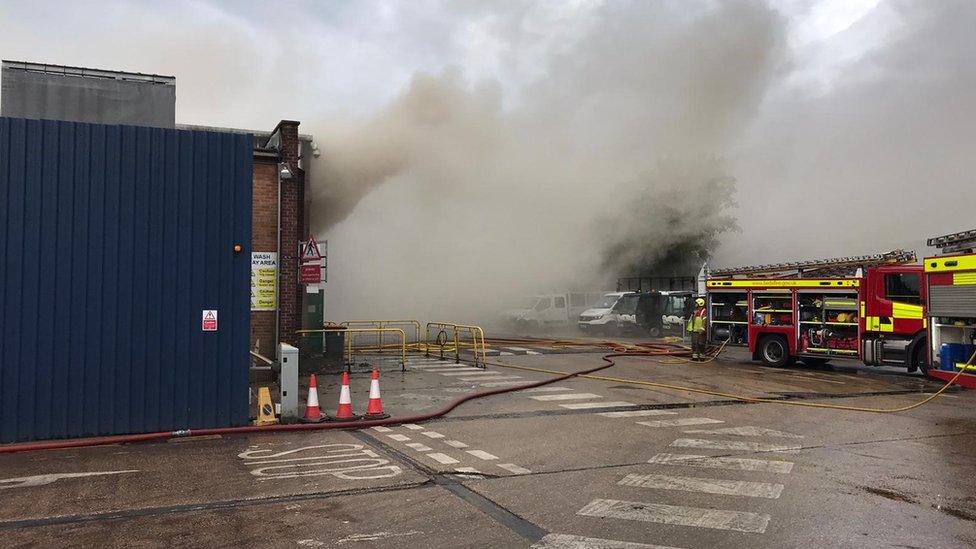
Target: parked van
(598, 319)
(550, 309)
(652, 313)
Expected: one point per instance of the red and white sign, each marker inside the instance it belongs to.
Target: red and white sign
(310, 270)
(310, 251)
(209, 320)
(310, 273)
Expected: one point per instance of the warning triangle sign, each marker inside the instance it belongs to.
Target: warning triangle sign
(210, 315)
(310, 252)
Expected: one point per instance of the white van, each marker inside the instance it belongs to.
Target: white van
(548, 309)
(598, 318)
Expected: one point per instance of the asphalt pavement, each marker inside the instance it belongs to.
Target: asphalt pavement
(579, 463)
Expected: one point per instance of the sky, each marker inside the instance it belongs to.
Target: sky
(577, 137)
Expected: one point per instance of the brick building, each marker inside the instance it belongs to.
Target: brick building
(277, 162)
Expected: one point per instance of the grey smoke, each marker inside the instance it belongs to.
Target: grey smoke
(446, 202)
(594, 138)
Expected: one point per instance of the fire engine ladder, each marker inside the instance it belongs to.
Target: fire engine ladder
(834, 267)
(963, 242)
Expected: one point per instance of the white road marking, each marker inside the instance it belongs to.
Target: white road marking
(487, 378)
(468, 470)
(706, 485)
(505, 353)
(519, 349)
(574, 396)
(746, 445)
(459, 371)
(455, 443)
(735, 464)
(442, 458)
(432, 434)
(359, 538)
(399, 438)
(41, 480)
(512, 468)
(533, 353)
(381, 429)
(413, 427)
(746, 431)
(680, 422)
(547, 389)
(419, 447)
(718, 519)
(585, 405)
(481, 454)
(565, 541)
(638, 413)
(499, 383)
(354, 462)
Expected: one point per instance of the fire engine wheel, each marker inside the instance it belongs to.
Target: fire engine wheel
(774, 352)
(920, 358)
(654, 332)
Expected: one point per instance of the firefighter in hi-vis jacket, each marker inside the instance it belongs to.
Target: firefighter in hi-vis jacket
(697, 328)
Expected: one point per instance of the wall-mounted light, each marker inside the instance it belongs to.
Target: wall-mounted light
(238, 248)
(284, 171)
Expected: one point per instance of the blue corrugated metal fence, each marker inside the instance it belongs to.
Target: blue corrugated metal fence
(113, 240)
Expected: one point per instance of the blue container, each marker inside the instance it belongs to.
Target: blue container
(951, 353)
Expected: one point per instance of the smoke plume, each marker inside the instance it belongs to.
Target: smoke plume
(568, 142)
(454, 198)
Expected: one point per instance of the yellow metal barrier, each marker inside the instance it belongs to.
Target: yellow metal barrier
(352, 333)
(402, 324)
(453, 331)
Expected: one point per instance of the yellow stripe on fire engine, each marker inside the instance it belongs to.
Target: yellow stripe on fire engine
(874, 324)
(951, 263)
(964, 279)
(784, 283)
(906, 310)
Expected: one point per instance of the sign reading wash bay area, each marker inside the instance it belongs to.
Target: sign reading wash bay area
(264, 278)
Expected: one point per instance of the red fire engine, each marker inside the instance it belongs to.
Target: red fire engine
(951, 288)
(868, 307)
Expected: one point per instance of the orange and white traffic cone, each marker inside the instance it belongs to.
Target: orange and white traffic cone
(375, 408)
(313, 414)
(344, 411)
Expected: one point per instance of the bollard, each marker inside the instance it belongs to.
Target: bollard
(288, 380)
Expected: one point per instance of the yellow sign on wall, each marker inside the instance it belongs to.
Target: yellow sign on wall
(264, 281)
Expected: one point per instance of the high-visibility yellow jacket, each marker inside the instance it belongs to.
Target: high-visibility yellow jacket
(698, 320)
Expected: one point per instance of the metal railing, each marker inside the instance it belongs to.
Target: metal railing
(402, 324)
(351, 334)
(444, 338)
(449, 339)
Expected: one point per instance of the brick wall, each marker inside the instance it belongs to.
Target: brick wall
(292, 221)
(264, 237)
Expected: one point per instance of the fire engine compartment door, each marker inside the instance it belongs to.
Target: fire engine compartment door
(953, 301)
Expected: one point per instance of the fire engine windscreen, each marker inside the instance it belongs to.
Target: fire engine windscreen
(460, 195)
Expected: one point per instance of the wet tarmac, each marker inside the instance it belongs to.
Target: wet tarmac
(579, 463)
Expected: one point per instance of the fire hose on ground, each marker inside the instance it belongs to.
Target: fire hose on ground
(644, 350)
(360, 424)
(651, 348)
